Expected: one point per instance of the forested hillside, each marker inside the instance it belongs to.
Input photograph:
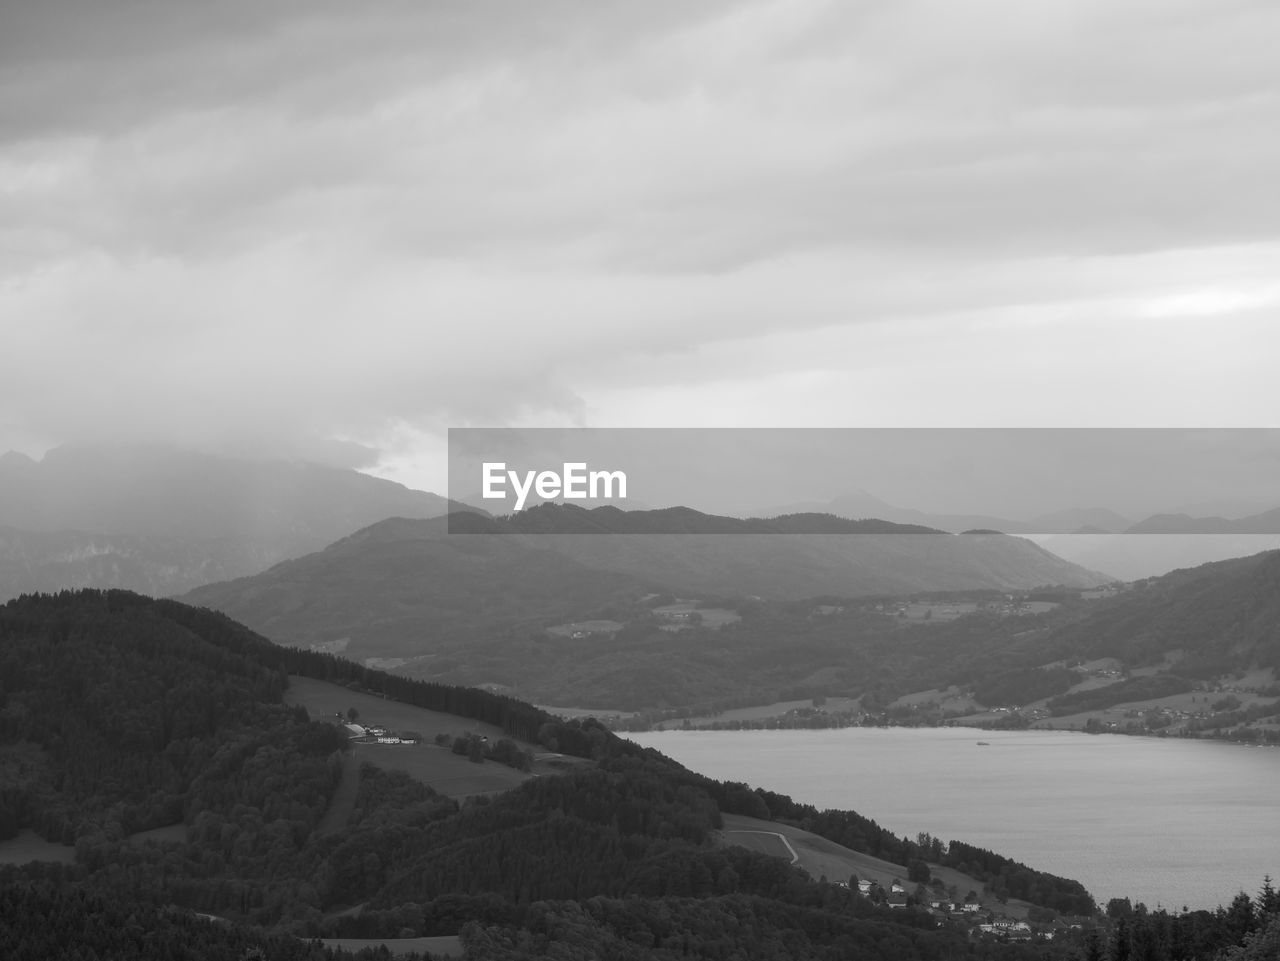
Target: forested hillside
(120, 715)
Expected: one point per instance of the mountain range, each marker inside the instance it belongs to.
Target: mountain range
(163, 521)
(1097, 538)
(402, 588)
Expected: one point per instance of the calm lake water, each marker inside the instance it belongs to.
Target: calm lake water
(1166, 822)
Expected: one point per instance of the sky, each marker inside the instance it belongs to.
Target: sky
(333, 231)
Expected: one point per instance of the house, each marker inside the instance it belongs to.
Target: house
(896, 887)
(864, 886)
(897, 901)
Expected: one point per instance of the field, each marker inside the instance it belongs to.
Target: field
(937, 612)
(437, 767)
(761, 841)
(949, 701)
(323, 700)
(28, 847)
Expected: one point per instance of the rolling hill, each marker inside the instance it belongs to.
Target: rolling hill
(401, 587)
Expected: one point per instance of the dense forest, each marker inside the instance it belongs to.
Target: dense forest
(120, 715)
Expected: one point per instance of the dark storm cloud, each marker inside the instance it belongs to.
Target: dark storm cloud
(279, 224)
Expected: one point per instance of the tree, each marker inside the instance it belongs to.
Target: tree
(1093, 947)
(1240, 917)
(918, 871)
(1119, 908)
(1261, 945)
(352, 714)
(1120, 938)
(1268, 898)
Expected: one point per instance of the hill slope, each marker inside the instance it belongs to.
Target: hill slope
(401, 587)
(1194, 652)
(404, 587)
(1222, 616)
(120, 714)
(164, 520)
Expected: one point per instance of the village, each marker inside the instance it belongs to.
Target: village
(373, 734)
(945, 907)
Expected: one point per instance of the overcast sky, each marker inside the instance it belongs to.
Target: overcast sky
(335, 229)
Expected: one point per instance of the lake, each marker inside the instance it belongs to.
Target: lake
(1166, 822)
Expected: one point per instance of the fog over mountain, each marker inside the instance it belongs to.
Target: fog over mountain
(162, 520)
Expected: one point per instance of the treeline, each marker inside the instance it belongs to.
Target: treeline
(516, 718)
(1023, 685)
(1002, 876)
(39, 922)
(1006, 878)
(1248, 929)
(1121, 692)
(722, 927)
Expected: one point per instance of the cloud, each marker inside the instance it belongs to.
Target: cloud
(274, 226)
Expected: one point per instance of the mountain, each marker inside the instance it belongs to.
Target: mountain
(1213, 619)
(862, 504)
(1267, 522)
(793, 556)
(51, 561)
(155, 769)
(551, 518)
(1095, 538)
(1195, 652)
(409, 589)
(165, 520)
(1166, 542)
(401, 587)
